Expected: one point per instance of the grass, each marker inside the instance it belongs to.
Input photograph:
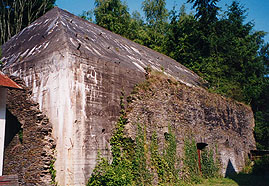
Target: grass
(218, 182)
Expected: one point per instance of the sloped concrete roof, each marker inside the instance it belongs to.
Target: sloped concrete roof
(59, 29)
(8, 83)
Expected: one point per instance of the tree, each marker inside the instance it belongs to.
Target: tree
(18, 14)
(155, 11)
(260, 105)
(182, 39)
(87, 15)
(232, 58)
(224, 51)
(136, 28)
(206, 10)
(112, 15)
(156, 16)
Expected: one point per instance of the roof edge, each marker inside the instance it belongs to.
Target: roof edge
(6, 82)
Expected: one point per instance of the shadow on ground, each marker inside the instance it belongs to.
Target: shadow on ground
(251, 179)
(258, 177)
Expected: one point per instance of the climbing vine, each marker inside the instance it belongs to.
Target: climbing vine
(210, 165)
(143, 162)
(166, 163)
(120, 170)
(190, 169)
(52, 172)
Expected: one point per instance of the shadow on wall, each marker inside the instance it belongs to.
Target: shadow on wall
(13, 127)
(230, 171)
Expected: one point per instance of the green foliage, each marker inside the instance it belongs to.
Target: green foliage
(108, 174)
(206, 11)
(191, 169)
(145, 162)
(209, 164)
(171, 157)
(262, 128)
(155, 11)
(260, 107)
(52, 172)
(87, 15)
(218, 182)
(20, 134)
(157, 160)
(112, 15)
(120, 171)
(227, 53)
(142, 175)
(248, 166)
(156, 15)
(134, 163)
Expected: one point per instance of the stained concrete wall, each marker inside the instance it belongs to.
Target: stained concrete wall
(51, 83)
(81, 99)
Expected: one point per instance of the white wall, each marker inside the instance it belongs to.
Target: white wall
(2, 125)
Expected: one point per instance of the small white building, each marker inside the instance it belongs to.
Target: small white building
(5, 83)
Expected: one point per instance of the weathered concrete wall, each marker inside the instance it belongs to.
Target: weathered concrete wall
(207, 117)
(29, 154)
(51, 82)
(95, 91)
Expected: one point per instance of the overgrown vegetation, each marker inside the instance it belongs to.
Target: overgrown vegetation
(218, 45)
(144, 162)
(52, 172)
(141, 169)
(120, 171)
(191, 169)
(209, 163)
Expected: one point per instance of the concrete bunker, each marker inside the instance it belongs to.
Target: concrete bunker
(75, 75)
